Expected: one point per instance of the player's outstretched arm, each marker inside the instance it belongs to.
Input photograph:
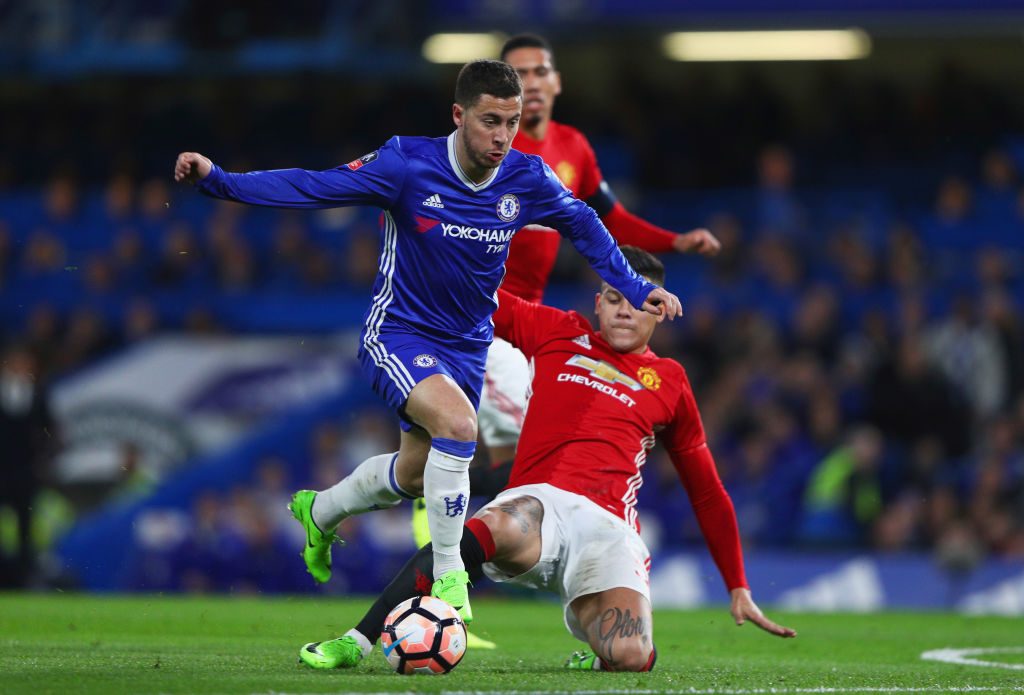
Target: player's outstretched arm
(743, 609)
(663, 304)
(192, 167)
(700, 241)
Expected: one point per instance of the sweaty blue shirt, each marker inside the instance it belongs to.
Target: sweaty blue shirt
(445, 238)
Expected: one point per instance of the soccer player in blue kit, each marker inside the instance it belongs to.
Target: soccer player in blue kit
(451, 206)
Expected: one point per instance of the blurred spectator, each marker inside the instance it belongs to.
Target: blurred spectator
(290, 250)
(86, 338)
(129, 259)
(999, 312)
(361, 259)
(950, 226)
(816, 324)
(844, 495)
(778, 209)
(140, 321)
(969, 352)
(180, 264)
(908, 399)
(27, 439)
(997, 196)
(98, 275)
(906, 269)
(45, 254)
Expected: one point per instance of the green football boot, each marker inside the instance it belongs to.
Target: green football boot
(343, 652)
(475, 641)
(317, 551)
(453, 589)
(583, 661)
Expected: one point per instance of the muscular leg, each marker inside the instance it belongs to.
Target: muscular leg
(618, 624)
(440, 407)
(447, 420)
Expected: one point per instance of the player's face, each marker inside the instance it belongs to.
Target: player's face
(486, 130)
(541, 82)
(624, 327)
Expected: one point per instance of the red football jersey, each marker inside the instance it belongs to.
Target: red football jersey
(593, 417)
(533, 249)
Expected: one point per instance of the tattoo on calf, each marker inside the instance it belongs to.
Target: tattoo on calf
(616, 624)
(523, 510)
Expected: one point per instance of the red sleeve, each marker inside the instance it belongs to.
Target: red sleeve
(692, 459)
(525, 324)
(628, 229)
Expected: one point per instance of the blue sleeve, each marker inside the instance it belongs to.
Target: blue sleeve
(558, 208)
(374, 179)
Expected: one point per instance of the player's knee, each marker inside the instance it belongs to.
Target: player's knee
(629, 655)
(515, 530)
(458, 426)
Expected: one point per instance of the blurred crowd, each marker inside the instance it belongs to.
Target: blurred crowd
(858, 361)
(244, 540)
(861, 379)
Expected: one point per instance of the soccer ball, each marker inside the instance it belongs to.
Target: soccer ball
(423, 635)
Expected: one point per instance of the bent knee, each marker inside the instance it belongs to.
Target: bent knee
(515, 525)
(514, 517)
(632, 655)
(460, 427)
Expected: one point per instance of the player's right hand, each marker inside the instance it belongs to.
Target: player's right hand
(192, 167)
(743, 609)
(663, 304)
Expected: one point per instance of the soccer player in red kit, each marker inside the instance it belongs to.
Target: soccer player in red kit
(533, 249)
(567, 521)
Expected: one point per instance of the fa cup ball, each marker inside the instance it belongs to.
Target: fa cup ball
(423, 635)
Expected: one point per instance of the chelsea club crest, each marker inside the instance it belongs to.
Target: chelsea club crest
(425, 361)
(508, 207)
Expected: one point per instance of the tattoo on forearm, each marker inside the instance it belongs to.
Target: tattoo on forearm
(524, 511)
(616, 624)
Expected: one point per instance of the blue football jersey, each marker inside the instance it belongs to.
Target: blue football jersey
(445, 238)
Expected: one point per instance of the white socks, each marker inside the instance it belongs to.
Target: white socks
(446, 492)
(359, 637)
(370, 486)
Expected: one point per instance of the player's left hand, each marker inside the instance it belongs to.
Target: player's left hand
(743, 609)
(663, 304)
(699, 241)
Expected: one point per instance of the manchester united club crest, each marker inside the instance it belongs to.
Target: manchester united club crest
(649, 378)
(566, 173)
(508, 207)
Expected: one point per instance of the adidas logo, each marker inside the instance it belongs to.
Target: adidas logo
(583, 340)
(434, 201)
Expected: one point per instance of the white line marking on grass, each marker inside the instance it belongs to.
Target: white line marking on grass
(963, 656)
(735, 691)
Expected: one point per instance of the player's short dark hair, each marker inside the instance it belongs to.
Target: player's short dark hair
(645, 264)
(486, 77)
(527, 41)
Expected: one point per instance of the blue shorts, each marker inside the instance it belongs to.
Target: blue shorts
(395, 359)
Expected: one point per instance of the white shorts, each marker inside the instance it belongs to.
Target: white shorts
(584, 550)
(505, 394)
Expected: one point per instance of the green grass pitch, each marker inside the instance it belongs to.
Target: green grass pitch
(62, 643)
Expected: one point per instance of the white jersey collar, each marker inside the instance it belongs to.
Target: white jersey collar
(457, 168)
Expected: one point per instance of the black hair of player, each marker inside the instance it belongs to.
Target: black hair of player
(527, 41)
(645, 264)
(491, 77)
